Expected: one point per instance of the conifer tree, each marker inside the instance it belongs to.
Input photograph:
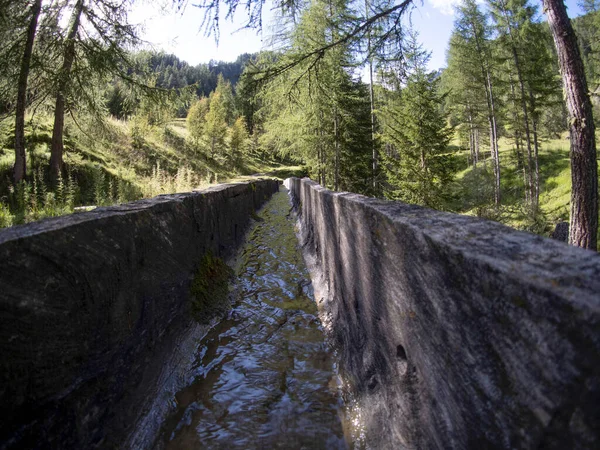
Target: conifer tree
(583, 227)
(238, 139)
(530, 77)
(196, 118)
(216, 123)
(20, 157)
(94, 47)
(471, 57)
(309, 106)
(415, 128)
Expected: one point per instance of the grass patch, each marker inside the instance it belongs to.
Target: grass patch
(472, 188)
(111, 163)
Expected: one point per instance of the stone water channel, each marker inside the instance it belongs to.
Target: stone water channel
(265, 376)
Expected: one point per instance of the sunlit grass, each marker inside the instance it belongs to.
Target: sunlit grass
(473, 189)
(115, 162)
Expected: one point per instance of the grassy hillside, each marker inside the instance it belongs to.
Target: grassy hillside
(121, 161)
(114, 162)
(473, 189)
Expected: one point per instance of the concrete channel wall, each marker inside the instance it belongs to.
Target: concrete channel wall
(93, 306)
(455, 332)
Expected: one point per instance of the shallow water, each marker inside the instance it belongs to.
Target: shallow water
(264, 377)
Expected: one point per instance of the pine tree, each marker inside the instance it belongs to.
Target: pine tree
(415, 129)
(238, 140)
(470, 57)
(94, 48)
(216, 123)
(583, 226)
(20, 158)
(530, 77)
(196, 118)
(226, 97)
(312, 106)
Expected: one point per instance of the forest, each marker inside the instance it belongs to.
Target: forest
(344, 95)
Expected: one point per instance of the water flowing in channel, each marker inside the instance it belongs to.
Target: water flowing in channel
(264, 377)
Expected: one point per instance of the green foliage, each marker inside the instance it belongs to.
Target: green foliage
(587, 28)
(196, 118)
(210, 288)
(160, 182)
(216, 123)
(6, 217)
(28, 202)
(172, 73)
(322, 118)
(417, 137)
(225, 94)
(238, 140)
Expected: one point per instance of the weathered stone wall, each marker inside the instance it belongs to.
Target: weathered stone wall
(93, 306)
(456, 332)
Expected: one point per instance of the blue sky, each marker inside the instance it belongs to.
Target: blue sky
(179, 33)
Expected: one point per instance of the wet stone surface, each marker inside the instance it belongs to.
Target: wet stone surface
(264, 377)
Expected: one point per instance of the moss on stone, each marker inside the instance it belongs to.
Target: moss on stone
(210, 288)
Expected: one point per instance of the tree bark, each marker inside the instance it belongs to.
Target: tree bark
(20, 167)
(530, 182)
(375, 157)
(493, 134)
(337, 151)
(583, 226)
(472, 143)
(57, 146)
(489, 95)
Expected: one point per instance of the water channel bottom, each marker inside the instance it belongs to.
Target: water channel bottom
(264, 377)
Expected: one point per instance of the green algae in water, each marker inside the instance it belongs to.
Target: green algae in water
(210, 288)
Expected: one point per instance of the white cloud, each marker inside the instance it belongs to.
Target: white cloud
(445, 6)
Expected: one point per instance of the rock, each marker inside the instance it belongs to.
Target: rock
(95, 305)
(453, 331)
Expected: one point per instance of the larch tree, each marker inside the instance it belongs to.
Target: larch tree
(583, 226)
(216, 123)
(312, 106)
(238, 139)
(64, 75)
(510, 16)
(21, 103)
(94, 47)
(471, 46)
(196, 118)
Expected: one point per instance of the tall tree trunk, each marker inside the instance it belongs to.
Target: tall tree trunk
(584, 170)
(524, 108)
(336, 132)
(489, 95)
(536, 163)
(472, 142)
(477, 145)
(372, 102)
(57, 147)
(518, 139)
(498, 194)
(536, 151)
(20, 167)
(318, 133)
(489, 91)
(321, 156)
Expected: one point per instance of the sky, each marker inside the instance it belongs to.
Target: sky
(179, 32)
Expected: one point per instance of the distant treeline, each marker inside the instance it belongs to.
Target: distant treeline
(173, 73)
(168, 72)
